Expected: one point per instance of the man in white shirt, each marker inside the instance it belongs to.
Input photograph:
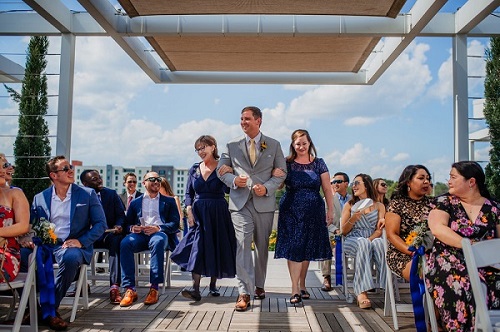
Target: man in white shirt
(152, 222)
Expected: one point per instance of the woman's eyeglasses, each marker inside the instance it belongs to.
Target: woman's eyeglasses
(65, 169)
(7, 165)
(201, 148)
(356, 183)
(337, 181)
(153, 179)
(383, 184)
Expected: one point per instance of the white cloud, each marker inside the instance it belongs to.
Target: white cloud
(401, 156)
(400, 86)
(359, 121)
(443, 88)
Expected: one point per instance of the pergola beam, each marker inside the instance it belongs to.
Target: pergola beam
(473, 12)
(10, 71)
(421, 13)
(54, 12)
(105, 14)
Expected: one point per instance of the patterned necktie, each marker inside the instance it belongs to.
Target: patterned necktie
(129, 200)
(251, 152)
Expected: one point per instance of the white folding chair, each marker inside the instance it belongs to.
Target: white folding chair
(94, 264)
(348, 268)
(477, 255)
(142, 267)
(392, 307)
(26, 281)
(81, 291)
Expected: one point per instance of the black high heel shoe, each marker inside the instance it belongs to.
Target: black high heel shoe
(214, 292)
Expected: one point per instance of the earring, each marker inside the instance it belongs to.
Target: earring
(409, 188)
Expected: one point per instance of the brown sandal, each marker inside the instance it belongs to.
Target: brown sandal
(364, 303)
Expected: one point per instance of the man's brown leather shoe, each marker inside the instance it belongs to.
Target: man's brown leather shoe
(327, 284)
(243, 302)
(129, 298)
(114, 296)
(260, 293)
(57, 323)
(152, 296)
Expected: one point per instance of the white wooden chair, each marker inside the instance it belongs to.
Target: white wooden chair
(141, 261)
(477, 255)
(26, 281)
(81, 291)
(392, 307)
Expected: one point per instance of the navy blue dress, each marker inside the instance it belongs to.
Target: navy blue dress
(302, 231)
(209, 247)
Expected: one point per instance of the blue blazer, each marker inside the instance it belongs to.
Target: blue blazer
(169, 215)
(87, 218)
(113, 207)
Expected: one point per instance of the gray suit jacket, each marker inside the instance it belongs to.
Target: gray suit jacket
(269, 158)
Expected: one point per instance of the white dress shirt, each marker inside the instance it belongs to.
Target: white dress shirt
(60, 211)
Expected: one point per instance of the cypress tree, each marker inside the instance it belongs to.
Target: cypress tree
(32, 146)
(492, 114)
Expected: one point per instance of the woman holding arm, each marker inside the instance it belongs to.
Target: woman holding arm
(302, 223)
(467, 211)
(409, 206)
(363, 230)
(209, 247)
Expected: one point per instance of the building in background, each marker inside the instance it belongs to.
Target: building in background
(112, 176)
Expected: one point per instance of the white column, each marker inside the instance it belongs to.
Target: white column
(65, 106)
(460, 100)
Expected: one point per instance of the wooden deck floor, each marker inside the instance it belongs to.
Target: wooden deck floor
(323, 312)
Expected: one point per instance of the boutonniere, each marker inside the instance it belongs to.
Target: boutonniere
(263, 146)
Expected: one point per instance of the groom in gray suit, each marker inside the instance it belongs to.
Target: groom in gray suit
(253, 158)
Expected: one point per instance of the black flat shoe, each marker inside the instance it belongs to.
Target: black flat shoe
(305, 294)
(295, 299)
(214, 292)
(191, 294)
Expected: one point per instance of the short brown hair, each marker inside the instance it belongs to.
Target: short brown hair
(51, 164)
(127, 175)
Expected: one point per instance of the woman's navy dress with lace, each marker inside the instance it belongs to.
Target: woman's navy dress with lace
(302, 231)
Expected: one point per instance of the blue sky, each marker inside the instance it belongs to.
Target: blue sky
(122, 118)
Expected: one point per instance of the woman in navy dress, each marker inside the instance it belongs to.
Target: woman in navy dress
(302, 223)
(209, 247)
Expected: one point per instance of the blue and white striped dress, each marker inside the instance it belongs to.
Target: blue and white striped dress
(356, 243)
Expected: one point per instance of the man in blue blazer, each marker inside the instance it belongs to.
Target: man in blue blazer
(79, 221)
(152, 222)
(115, 217)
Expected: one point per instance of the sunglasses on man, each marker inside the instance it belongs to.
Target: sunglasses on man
(337, 181)
(7, 165)
(154, 179)
(65, 169)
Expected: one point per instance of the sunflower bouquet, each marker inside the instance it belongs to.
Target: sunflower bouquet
(419, 236)
(45, 231)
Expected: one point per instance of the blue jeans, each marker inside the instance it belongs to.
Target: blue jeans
(133, 243)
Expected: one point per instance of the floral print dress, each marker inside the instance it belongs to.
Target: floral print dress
(447, 278)
(11, 264)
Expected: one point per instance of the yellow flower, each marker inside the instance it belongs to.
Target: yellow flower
(263, 146)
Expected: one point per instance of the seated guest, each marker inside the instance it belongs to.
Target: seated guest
(152, 222)
(79, 221)
(130, 183)
(467, 211)
(363, 230)
(381, 190)
(166, 190)
(115, 217)
(12, 200)
(409, 206)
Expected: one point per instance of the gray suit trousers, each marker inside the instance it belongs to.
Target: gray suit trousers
(257, 226)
